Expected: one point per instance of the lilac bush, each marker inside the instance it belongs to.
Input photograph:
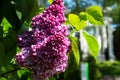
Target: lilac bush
(45, 47)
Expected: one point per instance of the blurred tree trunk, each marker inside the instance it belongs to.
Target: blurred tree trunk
(77, 3)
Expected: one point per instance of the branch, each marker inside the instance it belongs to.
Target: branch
(9, 72)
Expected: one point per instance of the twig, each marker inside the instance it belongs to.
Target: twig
(1, 75)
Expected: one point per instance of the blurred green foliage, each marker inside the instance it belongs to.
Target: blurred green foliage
(15, 18)
(11, 23)
(109, 68)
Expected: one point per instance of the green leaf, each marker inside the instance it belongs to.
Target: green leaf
(6, 25)
(21, 72)
(50, 1)
(25, 76)
(2, 54)
(28, 8)
(8, 42)
(76, 22)
(10, 39)
(3, 69)
(10, 49)
(9, 12)
(1, 32)
(2, 78)
(92, 44)
(75, 49)
(9, 56)
(52, 78)
(95, 15)
(83, 16)
(23, 29)
(13, 35)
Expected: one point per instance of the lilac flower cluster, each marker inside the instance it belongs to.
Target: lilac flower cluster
(45, 47)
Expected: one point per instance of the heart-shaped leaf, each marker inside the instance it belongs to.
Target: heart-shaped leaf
(75, 49)
(76, 22)
(92, 44)
(94, 14)
(50, 1)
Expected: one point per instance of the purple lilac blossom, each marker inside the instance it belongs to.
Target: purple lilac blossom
(45, 47)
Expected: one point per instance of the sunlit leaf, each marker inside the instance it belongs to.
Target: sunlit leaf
(95, 15)
(92, 44)
(21, 72)
(83, 16)
(75, 49)
(50, 1)
(76, 22)
(6, 25)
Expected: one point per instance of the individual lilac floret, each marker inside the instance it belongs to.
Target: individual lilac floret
(45, 47)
